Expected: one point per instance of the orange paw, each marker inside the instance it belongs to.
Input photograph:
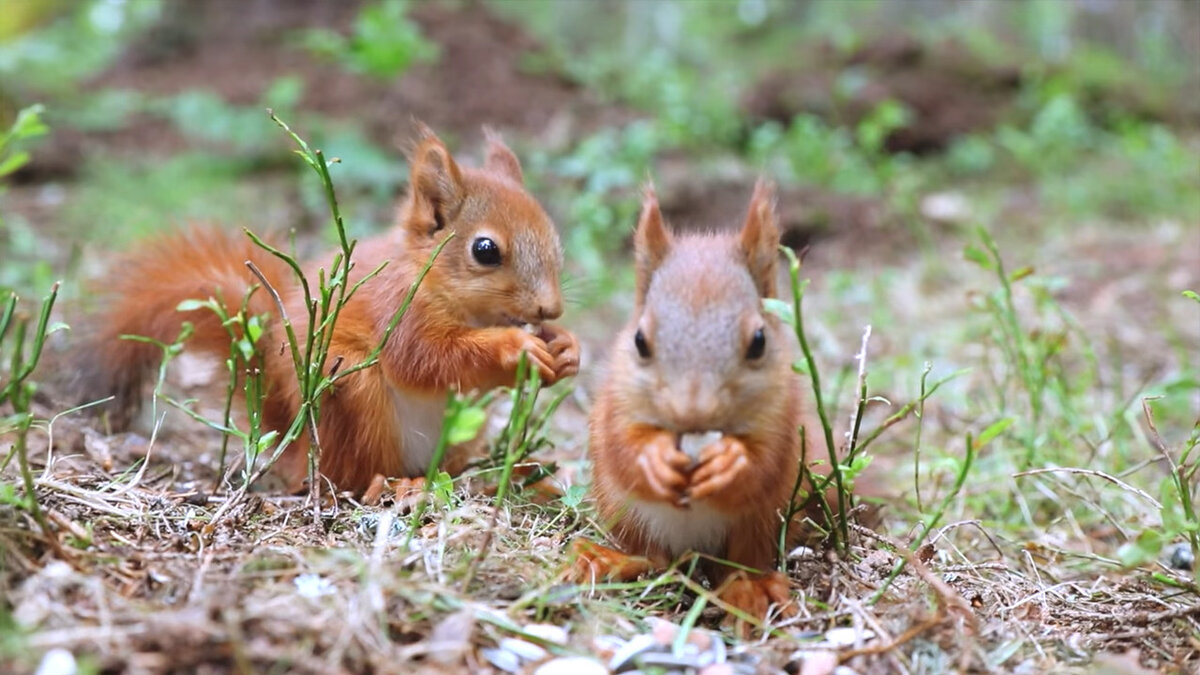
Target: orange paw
(721, 465)
(564, 347)
(754, 596)
(409, 492)
(663, 466)
(592, 562)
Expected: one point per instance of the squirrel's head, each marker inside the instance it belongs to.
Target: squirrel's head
(502, 267)
(701, 352)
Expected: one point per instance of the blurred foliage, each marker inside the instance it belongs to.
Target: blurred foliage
(15, 240)
(384, 44)
(50, 45)
(1095, 79)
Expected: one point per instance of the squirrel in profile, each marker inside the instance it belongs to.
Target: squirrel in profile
(463, 331)
(694, 436)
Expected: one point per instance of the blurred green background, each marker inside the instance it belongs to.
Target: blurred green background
(859, 108)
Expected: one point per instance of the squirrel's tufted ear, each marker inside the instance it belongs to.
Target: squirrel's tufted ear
(759, 240)
(500, 159)
(651, 242)
(436, 182)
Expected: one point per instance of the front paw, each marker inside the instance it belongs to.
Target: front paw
(720, 466)
(517, 342)
(592, 562)
(564, 347)
(754, 596)
(663, 470)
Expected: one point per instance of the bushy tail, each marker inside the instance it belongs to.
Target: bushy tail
(140, 296)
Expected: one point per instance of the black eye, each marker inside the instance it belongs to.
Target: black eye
(758, 345)
(639, 341)
(486, 251)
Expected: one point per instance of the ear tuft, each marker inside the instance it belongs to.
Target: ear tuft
(500, 159)
(436, 181)
(651, 242)
(759, 239)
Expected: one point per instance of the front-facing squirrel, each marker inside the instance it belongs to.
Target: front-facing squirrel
(700, 356)
(463, 330)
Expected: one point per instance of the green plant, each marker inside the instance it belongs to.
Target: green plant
(21, 350)
(19, 240)
(603, 170)
(844, 159)
(384, 42)
(847, 462)
(1179, 495)
(310, 350)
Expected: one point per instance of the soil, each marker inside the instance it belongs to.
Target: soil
(237, 49)
(949, 91)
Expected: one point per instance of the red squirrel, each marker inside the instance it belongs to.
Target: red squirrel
(699, 356)
(463, 330)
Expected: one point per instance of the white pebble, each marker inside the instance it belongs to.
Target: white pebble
(572, 665)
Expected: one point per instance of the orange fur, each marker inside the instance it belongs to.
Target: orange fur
(461, 332)
(698, 306)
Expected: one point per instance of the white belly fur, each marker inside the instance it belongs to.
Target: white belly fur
(420, 421)
(697, 528)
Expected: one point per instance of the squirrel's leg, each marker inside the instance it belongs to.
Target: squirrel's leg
(752, 543)
(592, 562)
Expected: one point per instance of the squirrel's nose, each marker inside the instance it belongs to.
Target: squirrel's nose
(549, 308)
(694, 405)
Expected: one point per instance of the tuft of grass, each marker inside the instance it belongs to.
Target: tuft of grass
(384, 42)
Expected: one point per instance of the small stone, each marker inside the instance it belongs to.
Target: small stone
(451, 637)
(1180, 557)
(57, 661)
(701, 638)
(718, 669)
(547, 632)
(630, 650)
(664, 632)
(846, 636)
(816, 662)
(525, 650)
(572, 665)
(312, 585)
(504, 660)
(801, 552)
(946, 207)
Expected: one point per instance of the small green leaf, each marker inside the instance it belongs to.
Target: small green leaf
(781, 309)
(246, 349)
(265, 441)
(1192, 294)
(29, 123)
(466, 425)
(1173, 519)
(191, 305)
(979, 258)
(254, 329)
(994, 430)
(1021, 273)
(574, 495)
(1146, 547)
(13, 162)
(443, 487)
